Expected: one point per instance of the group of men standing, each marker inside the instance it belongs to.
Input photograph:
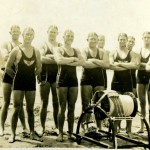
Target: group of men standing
(54, 65)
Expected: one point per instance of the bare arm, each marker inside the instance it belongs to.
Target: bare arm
(113, 65)
(46, 59)
(5, 51)
(104, 63)
(133, 64)
(80, 61)
(142, 65)
(147, 67)
(60, 59)
(88, 62)
(38, 63)
(10, 62)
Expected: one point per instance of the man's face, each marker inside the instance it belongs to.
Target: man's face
(130, 43)
(15, 33)
(92, 40)
(101, 41)
(146, 38)
(28, 36)
(69, 37)
(52, 33)
(122, 40)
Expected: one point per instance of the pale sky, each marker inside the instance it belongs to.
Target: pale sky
(108, 17)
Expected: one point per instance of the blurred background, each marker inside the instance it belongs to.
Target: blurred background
(108, 17)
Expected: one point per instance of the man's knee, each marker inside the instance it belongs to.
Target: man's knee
(55, 103)
(6, 104)
(62, 110)
(30, 111)
(17, 105)
(142, 98)
(45, 104)
(142, 103)
(16, 109)
(71, 108)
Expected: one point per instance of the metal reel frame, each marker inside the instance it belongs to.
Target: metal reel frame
(111, 134)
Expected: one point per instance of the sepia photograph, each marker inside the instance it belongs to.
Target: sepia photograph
(75, 74)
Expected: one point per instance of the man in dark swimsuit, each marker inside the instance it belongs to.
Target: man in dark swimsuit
(93, 77)
(130, 45)
(143, 78)
(122, 61)
(7, 80)
(27, 65)
(48, 78)
(67, 84)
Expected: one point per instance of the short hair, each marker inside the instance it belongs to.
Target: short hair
(100, 35)
(52, 26)
(131, 37)
(122, 34)
(68, 31)
(28, 28)
(14, 26)
(92, 34)
(147, 32)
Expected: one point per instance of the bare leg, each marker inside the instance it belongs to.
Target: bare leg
(7, 89)
(22, 118)
(116, 124)
(44, 93)
(55, 104)
(62, 93)
(86, 95)
(98, 122)
(72, 98)
(149, 104)
(4, 110)
(30, 99)
(128, 128)
(141, 91)
(135, 92)
(18, 98)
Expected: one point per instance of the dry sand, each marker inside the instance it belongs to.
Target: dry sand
(50, 141)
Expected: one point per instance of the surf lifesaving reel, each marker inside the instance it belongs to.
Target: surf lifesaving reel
(113, 106)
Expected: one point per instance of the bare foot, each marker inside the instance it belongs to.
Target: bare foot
(129, 134)
(11, 139)
(123, 129)
(82, 132)
(140, 131)
(26, 131)
(118, 130)
(55, 130)
(41, 132)
(65, 133)
(1, 132)
(71, 137)
(34, 136)
(60, 138)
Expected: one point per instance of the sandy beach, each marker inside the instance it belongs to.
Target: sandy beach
(50, 141)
